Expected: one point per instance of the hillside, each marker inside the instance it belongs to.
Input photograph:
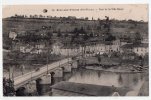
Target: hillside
(68, 26)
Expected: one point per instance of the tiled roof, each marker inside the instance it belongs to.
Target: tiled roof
(70, 47)
(130, 46)
(127, 46)
(89, 89)
(142, 45)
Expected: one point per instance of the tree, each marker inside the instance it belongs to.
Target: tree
(25, 16)
(16, 15)
(72, 39)
(75, 30)
(137, 38)
(31, 16)
(8, 87)
(21, 91)
(59, 33)
(40, 16)
(82, 30)
(85, 37)
(35, 16)
(91, 35)
(110, 38)
(66, 35)
(49, 35)
(88, 27)
(107, 23)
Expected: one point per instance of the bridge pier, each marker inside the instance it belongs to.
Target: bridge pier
(67, 68)
(22, 91)
(39, 86)
(31, 87)
(58, 72)
(75, 64)
(42, 78)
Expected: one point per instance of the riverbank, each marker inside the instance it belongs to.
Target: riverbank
(116, 69)
(144, 90)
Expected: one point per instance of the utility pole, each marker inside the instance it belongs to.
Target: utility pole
(10, 73)
(68, 55)
(13, 73)
(47, 60)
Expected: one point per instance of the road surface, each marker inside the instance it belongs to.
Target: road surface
(23, 79)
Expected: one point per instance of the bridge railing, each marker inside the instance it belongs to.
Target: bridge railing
(23, 79)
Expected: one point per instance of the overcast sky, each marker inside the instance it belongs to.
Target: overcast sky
(121, 12)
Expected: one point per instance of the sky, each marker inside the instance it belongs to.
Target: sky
(117, 11)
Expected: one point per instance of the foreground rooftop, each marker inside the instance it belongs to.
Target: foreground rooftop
(90, 89)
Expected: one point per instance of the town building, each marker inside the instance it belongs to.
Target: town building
(56, 48)
(12, 35)
(69, 51)
(127, 48)
(36, 51)
(140, 49)
(26, 48)
(145, 40)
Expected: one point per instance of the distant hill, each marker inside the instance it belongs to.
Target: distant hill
(118, 28)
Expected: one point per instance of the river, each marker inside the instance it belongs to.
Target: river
(129, 80)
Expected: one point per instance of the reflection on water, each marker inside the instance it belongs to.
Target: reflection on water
(99, 74)
(120, 80)
(130, 80)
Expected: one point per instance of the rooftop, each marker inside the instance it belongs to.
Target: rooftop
(89, 89)
(128, 46)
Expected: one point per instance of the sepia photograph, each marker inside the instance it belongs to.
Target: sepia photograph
(75, 50)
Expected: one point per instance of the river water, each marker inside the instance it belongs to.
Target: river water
(128, 80)
(131, 81)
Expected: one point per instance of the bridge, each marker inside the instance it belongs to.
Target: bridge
(33, 75)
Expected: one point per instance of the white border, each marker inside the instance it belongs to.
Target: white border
(27, 2)
(72, 1)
